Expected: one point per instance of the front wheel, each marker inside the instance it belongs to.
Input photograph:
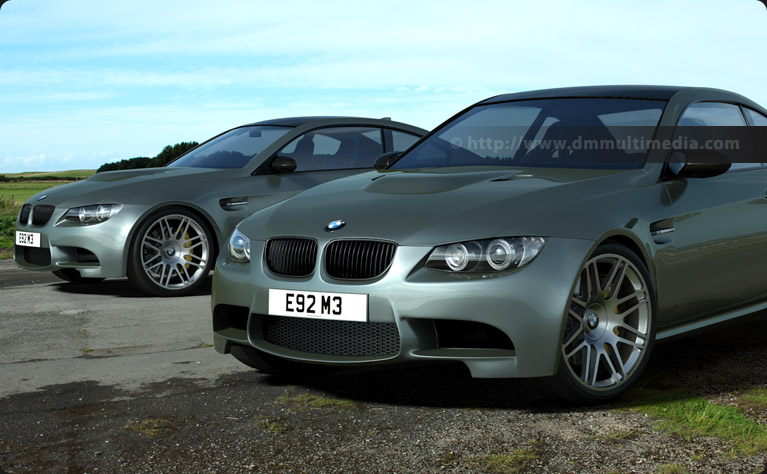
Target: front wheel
(172, 253)
(609, 329)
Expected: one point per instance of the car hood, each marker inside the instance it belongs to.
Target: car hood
(130, 186)
(429, 207)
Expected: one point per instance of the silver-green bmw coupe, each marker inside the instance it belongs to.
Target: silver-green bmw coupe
(554, 233)
(162, 226)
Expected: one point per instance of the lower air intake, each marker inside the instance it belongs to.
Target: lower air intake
(339, 338)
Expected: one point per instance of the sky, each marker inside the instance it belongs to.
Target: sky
(85, 82)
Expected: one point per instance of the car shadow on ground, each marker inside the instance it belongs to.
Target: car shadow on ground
(121, 288)
(711, 364)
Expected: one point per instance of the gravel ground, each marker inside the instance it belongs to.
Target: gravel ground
(125, 400)
(409, 420)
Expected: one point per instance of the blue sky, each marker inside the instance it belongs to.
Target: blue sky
(84, 82)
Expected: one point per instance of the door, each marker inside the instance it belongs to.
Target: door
(321, 155)
(714, 244)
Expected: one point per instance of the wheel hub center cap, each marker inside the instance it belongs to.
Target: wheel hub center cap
(170, 252)
(595, 321)
(592, 320)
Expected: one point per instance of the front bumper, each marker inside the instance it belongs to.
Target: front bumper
(96, 251)
(521, 312)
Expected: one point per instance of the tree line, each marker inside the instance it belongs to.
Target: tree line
(168, 154)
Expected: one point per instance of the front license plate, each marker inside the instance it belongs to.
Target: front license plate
(28, 239)
(317, 305)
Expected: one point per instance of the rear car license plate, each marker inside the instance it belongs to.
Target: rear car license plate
(318, 305)
(28, 239)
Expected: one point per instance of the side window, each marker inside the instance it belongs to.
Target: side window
(713, 114)
(335, 148)
(755, 118)
(429, 154)
(401, 141)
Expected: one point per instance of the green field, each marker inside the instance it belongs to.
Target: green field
(13, 195)
(42, 175)
(20, 192)
(8, 213)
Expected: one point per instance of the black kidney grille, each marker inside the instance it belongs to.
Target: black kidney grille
(291, 256)
(358, 259)
(340, 338)
(24, 214)
(42, 214)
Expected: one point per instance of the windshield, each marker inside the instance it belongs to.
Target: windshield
(560, 133)
(233, 149)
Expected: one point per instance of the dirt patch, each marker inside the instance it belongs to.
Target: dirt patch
(410, 420)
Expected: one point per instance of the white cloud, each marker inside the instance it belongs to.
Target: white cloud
(86, 77)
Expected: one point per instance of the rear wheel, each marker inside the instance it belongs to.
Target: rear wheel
(73, 276)
(172, 253)
(610, 327)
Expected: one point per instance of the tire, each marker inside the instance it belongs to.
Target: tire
(172, 253)
(272, 365)
(73, 276)
(610, 324)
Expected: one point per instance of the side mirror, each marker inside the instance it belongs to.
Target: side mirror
(386, 160)
(698, 163)
(283, 164)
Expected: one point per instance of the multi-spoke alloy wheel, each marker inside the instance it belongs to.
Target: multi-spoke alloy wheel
(172, 253)
(610, 327)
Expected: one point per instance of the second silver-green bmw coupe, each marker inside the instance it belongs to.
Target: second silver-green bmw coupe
(554, 233)
(162, 227)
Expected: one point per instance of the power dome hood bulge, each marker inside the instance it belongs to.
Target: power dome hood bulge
(426, 208)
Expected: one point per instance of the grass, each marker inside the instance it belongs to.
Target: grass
(508, 463)
(13, 195)
(150, 426)
(42, 175)
(306, 401)
(755, 398)
(691, 417)
(272, 425)
(619, 435)
(671, 469)
(20, 192)
(8, 212)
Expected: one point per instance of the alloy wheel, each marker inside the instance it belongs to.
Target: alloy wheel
(174, 251)
(609, 324)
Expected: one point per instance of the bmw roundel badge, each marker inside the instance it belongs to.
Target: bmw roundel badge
(335, 225)
(42, 197)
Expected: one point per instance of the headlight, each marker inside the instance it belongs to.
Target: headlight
(491, 255)
(239, 247)
(92, 214)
